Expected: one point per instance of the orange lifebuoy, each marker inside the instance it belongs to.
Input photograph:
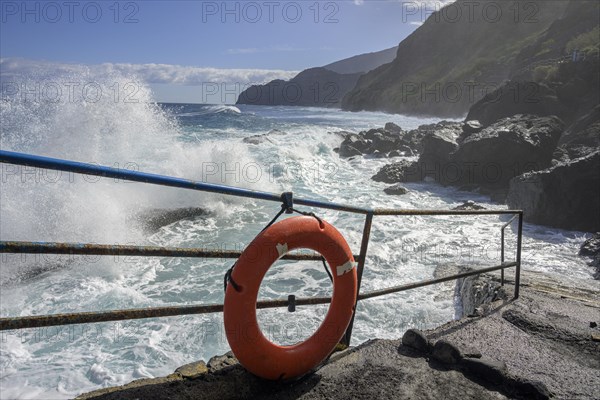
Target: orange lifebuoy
(254, 351)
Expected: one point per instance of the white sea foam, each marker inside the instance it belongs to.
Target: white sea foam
(61, 362)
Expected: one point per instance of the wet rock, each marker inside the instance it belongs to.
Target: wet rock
(507, 148)
(591, 248)
(154, 219)
(564, 196)
(392, 127)
(469, 205)
(354, 144)
(347, 151)
(446, 352)
(405, 151)
(257, 139)
(402, 171)
(263, 138)
(395, 190)
(383, 143)
(415, 339)
(472, 126)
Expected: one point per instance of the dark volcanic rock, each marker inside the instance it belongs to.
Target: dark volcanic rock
(395, 190)
(403, 171)
(565, 196)
(516, 98)
(582, 137)
(591, 248)
(489, 369)
(506, 149)
(469, 205)
(417, 340)
(446, 352)
(438, 146)
(376, 142)
(392, 127)
(353, 145)
(472, 126)
(154, 219)
(262, 138)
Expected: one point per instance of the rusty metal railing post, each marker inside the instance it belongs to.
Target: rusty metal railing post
(359, 272)
(502, 255)
(502, 246)
(519, 246)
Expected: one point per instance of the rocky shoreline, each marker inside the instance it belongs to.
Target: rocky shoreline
(540, 346)
(541, 159)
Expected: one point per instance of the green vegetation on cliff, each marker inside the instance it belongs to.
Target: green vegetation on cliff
(467, 49)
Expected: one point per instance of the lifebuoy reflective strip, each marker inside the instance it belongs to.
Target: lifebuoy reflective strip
(254, 351)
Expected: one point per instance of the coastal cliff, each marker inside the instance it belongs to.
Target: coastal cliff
(459, 53)
(317, 87)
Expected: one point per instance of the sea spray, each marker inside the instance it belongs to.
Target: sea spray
(206, 143)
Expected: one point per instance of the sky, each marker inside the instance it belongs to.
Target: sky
(177, 46)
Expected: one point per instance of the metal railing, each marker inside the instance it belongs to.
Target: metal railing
(151, 251)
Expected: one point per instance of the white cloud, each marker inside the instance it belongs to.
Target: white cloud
(14, 68)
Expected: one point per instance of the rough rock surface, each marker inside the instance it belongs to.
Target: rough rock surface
(591, 248)
(403, 171)
(545, 337)
(262, 138)
(516, 98)
(469, 205)
(396, 190)
(565, 196)
(535, 347)
(507, 148)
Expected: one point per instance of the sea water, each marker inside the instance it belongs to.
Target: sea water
(205, 142)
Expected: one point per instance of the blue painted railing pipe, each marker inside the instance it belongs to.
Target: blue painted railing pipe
(155, 179)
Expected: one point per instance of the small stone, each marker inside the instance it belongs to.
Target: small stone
(531, 389)
(394, 153)
(395, 190)
(415, 339)
(486, 368)
(593, 324)
(595, 337)
(446, 352)
(219, 362)
(192, 370)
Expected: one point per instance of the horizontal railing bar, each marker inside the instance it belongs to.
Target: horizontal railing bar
(119, 315)
(38, 321)
(415, 285)
(155, 179)
(134, 251)
(391, 212)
